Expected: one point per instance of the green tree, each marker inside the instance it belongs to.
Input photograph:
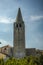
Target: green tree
(1, 62)
(29, 60)
(41, 60)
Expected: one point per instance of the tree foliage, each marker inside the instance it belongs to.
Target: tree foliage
(29, 60)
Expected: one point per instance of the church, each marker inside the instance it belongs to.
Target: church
(18, 50)
(19, 36)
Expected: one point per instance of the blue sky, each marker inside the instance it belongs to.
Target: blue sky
(32, 12)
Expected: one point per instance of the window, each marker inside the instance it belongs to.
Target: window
(19, 25)
(16, 25)
(4, 48)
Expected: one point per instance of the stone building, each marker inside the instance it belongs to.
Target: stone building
(6, 50)
(2, 56)
(18, 50)
(30, 51)
(19, 36)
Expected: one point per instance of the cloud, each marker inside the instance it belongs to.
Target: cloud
(5, 29)
(33, 18)
(34, 34)
(6, 20)
(4, 43)
(35, 41)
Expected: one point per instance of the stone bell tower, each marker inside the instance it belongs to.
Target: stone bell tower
(19, 36)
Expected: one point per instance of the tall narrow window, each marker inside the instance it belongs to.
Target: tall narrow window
(16, 25)
(19, 25)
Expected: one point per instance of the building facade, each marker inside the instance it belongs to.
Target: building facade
(18, 50)
(19, 36)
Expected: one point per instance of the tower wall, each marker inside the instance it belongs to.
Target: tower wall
(19, 38)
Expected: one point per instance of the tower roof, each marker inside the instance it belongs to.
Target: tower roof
(19, 16)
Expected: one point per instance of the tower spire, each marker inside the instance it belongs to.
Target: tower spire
(19, 16)
(19, 36)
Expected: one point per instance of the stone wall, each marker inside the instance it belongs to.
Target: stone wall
(30, 51)
(6, 50)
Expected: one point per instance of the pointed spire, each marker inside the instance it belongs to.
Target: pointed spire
(19, 16)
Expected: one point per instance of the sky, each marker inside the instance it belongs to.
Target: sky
(32, 13)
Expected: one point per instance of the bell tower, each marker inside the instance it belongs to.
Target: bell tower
(19, 36)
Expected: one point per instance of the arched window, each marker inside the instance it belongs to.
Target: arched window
(19, 25)
(16, 25)
(4, 48)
